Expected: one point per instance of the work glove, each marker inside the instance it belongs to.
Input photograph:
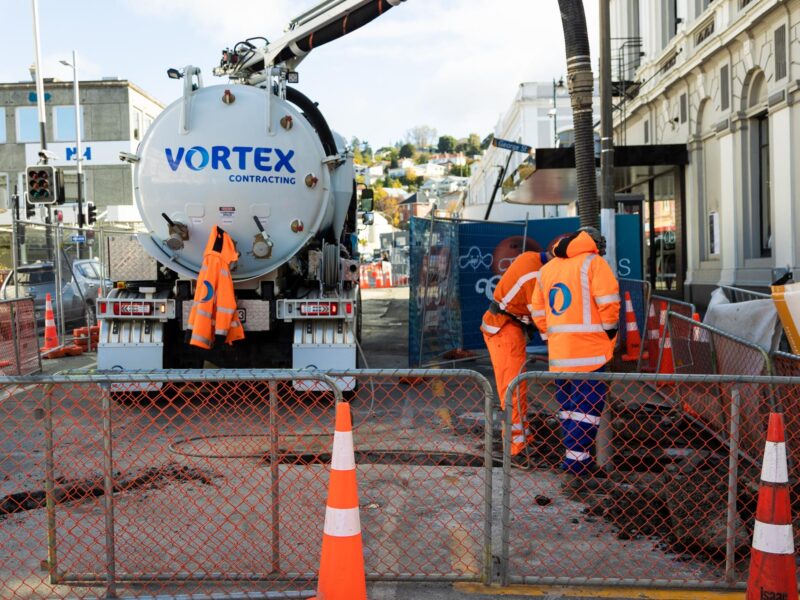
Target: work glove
(611, 333)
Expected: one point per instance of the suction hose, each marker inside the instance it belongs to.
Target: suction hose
(581, 85)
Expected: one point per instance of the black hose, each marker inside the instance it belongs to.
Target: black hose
(581, 85)
(315, 117)
(342, 26)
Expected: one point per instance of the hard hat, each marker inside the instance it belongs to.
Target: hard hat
(598, 238)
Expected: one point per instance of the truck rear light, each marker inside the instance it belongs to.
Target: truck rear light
(101, 307)
(133, 308)
(348, 308)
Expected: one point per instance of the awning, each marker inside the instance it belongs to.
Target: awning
(554, 181)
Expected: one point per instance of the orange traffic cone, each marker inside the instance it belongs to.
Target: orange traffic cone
(652, 339)
(633, 341)
(772, 561)
(341, 566)
(50, 332)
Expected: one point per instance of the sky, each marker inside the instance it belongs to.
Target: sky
(454, 65)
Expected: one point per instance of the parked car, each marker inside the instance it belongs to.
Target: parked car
(78, 293)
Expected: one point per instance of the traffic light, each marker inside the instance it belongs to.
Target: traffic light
(81, 219)
(91, 213)
(43, 184)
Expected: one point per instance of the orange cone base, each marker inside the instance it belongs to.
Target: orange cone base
(341, 572)
(633, 357)
(772, 576)
(62, 351)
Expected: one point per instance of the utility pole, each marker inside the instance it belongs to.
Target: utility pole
(78, 149)
(607, 202)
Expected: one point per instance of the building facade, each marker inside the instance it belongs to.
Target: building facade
(114, 117)
(539, 111)
(721, 77)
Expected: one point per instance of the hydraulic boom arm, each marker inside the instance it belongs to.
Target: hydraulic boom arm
(328, 21)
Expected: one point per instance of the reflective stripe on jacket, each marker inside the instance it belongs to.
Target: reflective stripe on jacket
(214, 307)
(513, 292)
(574, 303)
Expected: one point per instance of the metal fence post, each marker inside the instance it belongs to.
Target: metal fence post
(15, 337)
(108, 490)
(275, 473)
(488, 439)
(506, 515)
(733, 490)
(49, 485)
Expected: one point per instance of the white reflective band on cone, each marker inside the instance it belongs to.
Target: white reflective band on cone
(579, 456)
(773, 539)
(567, 415)
(631, 326)
(774, 469)
(343, 459)
(342, 522)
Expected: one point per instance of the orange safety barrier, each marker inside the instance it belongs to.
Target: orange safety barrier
(341, 566)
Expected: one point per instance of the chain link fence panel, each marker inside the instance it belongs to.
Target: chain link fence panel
(676, 506)
(213, 483)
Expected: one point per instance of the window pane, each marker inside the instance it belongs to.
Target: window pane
(2, 125)
(765, 206)
(27, 124)
(64, 123)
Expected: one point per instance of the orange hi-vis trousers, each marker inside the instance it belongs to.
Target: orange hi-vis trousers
(507, 351)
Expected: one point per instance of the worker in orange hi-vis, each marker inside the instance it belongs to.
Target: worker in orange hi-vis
(504, 331)
(576, 307)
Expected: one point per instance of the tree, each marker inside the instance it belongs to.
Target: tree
(421, 136)
(422, 158)
(447, 144)
(394, 155)
(407, 151)
(460, 170)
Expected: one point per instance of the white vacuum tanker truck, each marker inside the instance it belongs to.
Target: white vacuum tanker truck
(256, 158)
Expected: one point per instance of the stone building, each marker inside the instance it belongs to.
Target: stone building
(115, 115)
(721, 77)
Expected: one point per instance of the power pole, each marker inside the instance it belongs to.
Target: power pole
(607, 203)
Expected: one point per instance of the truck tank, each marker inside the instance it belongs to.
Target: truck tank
(249, 161)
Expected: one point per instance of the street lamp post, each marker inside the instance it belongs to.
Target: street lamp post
(78, 149)
(556, 85)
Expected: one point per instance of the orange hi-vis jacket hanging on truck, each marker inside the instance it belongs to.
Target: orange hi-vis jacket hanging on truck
(575, 302)
(213, 313)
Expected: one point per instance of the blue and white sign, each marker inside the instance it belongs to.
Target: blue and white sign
(78, 238)
(92, 153)
(509, 145)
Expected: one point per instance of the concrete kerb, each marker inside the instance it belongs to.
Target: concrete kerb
(729, 582)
